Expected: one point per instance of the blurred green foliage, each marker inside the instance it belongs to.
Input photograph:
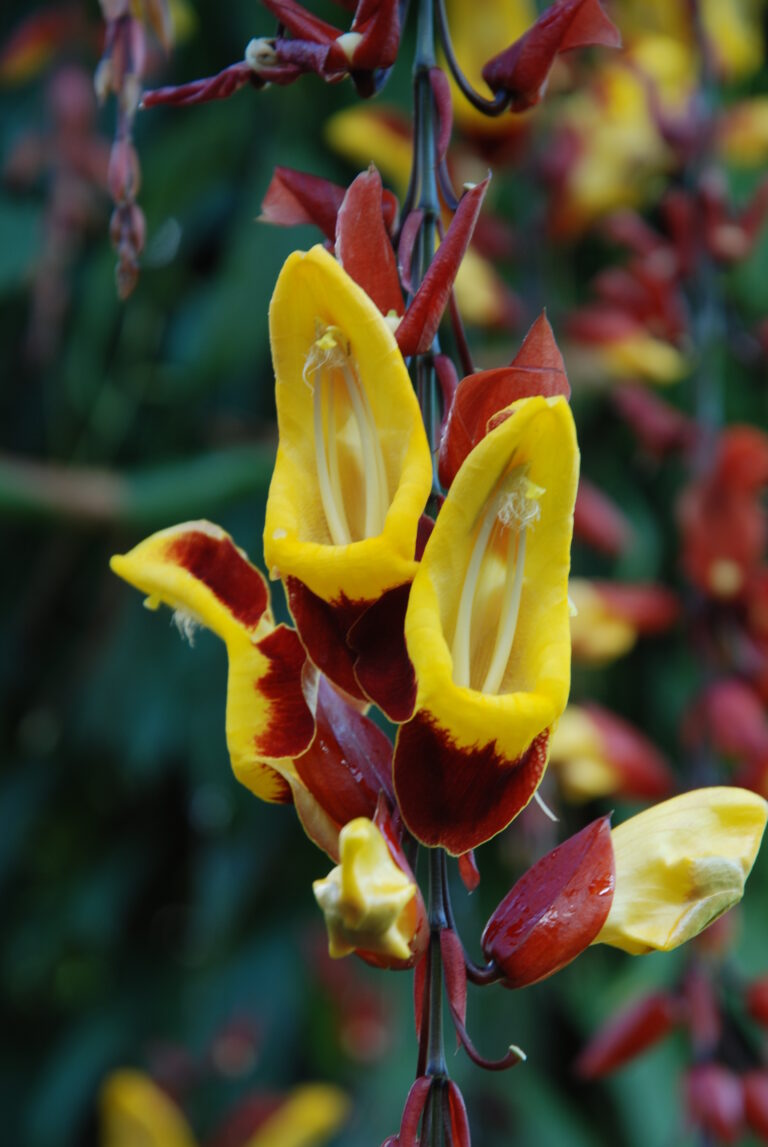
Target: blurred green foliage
(148, 900)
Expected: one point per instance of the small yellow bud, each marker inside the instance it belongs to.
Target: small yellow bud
(364, 897)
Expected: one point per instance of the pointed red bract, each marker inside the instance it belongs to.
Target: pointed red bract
(455, 971)
(419, 326)
(599, 522)
(555, 910)
(363, 246)
(716, 1101)
(468, 871)
(457, 1113)
(413, 1111)
(643, 771)
(522, 70)
(441, 92)
(295, 197)
(628, 1035)
(377, 22)
(301, 23)
(348, 763)
(537, 368)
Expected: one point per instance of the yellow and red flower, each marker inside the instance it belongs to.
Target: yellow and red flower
(487, 631)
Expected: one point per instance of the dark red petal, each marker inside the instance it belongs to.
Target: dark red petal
(716, 1100)
(383, 669)
(323, 627)
(291, 724)
(419, 326)
(645, 774)
(295, 197)
(378, 22)
(523, 68)
(348, 763)
(219, 565)
(756, 1101)
(363, 246)
(537, 368)
(556, 908)
(599, 522)
(455, 971)
(458, 797)
(468, 871)
(628, 1035)
(301, 23)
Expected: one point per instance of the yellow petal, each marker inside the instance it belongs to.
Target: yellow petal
(136, 1113)
(364, 899)
(597, 632)
(743, 132)
(309, 1117)
(353, 469)
(196, 569)
(680, 865)
(364, 135)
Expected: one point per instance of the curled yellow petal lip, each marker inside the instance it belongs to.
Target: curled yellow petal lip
(196, 569)
(365, 898)
(487, 630)
(680, 865)
(353, 469)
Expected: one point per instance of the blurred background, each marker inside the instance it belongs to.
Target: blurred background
(155, 915)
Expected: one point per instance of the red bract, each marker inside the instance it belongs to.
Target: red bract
(730, 716)
(660, 428)
(537, 368)
(628, 1035)
(295, 197)
(555, 910)
(371, 42)
(650, 609)
(723, 526)
(756, 1101)
(419, 326)
(757, 1000)
(644, 773)
(716, 1101)
(523, 69)
(704, 1018)
(599, 522)
(363, 246)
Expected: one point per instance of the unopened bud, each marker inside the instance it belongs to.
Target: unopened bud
(123, 172)
(261, 53)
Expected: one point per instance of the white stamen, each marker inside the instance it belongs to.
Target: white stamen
(334, 509)
(545, 807)
(187, 625)
(510, 610)
(461, 648)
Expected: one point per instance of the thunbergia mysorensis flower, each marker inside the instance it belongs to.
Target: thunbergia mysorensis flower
(353, 469)
(487, 630)
(197, 570)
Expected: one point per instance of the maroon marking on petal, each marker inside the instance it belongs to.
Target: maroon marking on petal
(555, 910)
(628, 1035)
(323, 627)
(291, 724)
(217, 563)
(457, 797)
(348, 763)
(383, 668)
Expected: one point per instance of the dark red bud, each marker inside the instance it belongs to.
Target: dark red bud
(628, 1035)
(555, 910)
(716, 1101)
